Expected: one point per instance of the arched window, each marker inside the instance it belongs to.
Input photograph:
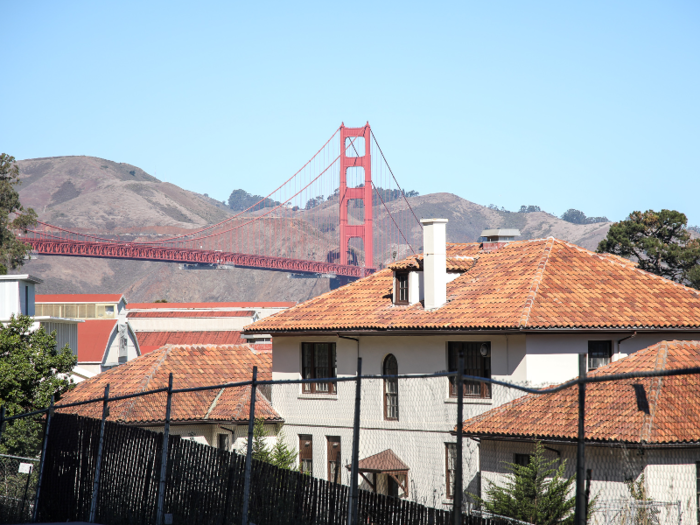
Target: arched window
(391, 388)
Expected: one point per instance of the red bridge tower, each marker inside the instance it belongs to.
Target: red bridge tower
(364, 193)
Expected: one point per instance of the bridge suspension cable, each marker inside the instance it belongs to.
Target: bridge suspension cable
(295, 227)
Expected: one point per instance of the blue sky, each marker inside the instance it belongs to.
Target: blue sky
(590, 105)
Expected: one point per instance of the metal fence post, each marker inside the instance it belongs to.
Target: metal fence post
(2, 421)
(353, 506)
(457, 502)
(249, 451)
(35, 514)
(164, 454)
(98, 464)
(580, 515)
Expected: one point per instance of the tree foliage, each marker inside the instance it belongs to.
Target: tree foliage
(529, 209)
(578, 217)
(13, 217)
(31, 371)
(537, 493)
(241, 200)
(280, 455)
(641, 514)
(660, 243)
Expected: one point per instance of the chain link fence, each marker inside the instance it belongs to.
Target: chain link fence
(379, 449)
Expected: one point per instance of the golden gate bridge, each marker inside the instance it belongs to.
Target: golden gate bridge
(343, 213)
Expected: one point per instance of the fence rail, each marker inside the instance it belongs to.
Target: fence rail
(100, 471)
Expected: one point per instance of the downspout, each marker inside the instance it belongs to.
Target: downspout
(352, 339)
(634, 334)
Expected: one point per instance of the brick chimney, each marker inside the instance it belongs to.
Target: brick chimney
(434, 262)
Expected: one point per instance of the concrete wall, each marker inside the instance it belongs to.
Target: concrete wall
(111, 357)
(427, 414)
(16, 297)
(208, 433)
(553, 358)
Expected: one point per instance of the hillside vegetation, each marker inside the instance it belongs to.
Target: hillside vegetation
(99, 196)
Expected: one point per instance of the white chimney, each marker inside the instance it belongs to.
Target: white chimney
(434, 262)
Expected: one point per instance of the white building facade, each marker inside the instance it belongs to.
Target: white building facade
(517, 311)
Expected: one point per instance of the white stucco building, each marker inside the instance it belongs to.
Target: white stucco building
(18, 297)
(521, 311)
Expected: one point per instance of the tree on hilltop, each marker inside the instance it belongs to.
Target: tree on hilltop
(13, 217)
(660, 242)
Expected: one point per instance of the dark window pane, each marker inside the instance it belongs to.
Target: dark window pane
(599, 354)
(475, 364)
(391, 388)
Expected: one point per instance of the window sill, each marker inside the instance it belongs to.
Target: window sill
(472, 400)
(325, 397)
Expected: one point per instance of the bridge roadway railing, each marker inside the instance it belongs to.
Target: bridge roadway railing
(166, 254)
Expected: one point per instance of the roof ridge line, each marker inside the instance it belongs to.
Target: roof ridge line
(213, 403)
(148, 377)
(654, 392)
(535, 285)
(631, 267)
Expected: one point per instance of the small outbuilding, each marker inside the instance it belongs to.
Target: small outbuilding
(645, 431)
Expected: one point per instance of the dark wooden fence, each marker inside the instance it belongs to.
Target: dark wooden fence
(203, 486)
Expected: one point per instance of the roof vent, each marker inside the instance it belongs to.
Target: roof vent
(496, 238)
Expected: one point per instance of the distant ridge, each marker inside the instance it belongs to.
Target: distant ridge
(96, 195)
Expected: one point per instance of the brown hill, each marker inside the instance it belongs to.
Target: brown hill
(98, 195)
(104, 197)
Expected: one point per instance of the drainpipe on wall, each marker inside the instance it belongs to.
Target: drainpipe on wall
(352, 339)
(634, 334)
(434, 262)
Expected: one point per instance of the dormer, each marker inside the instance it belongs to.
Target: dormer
(424, 278)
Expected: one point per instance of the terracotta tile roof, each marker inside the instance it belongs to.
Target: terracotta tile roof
(149, 341)
(93, 336)
(192, 366)
(651, 410)
(172, 306)
(78, 298)
(386, 461)
(537, 284)
(192, 313)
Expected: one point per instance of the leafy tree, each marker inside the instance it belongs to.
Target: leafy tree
(31, 371)
(241, 200)
(280, 455)
(529, 209)
(660, 243)
(530, 496)
(578, 217)
(13, 217)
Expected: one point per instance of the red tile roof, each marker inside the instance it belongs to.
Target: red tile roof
(652, 410)
(93, 336)
(386, 461)
(191, 366)
(172, 306)
(193, 313)
(536, 284)
(78, 298)
(149, 341)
